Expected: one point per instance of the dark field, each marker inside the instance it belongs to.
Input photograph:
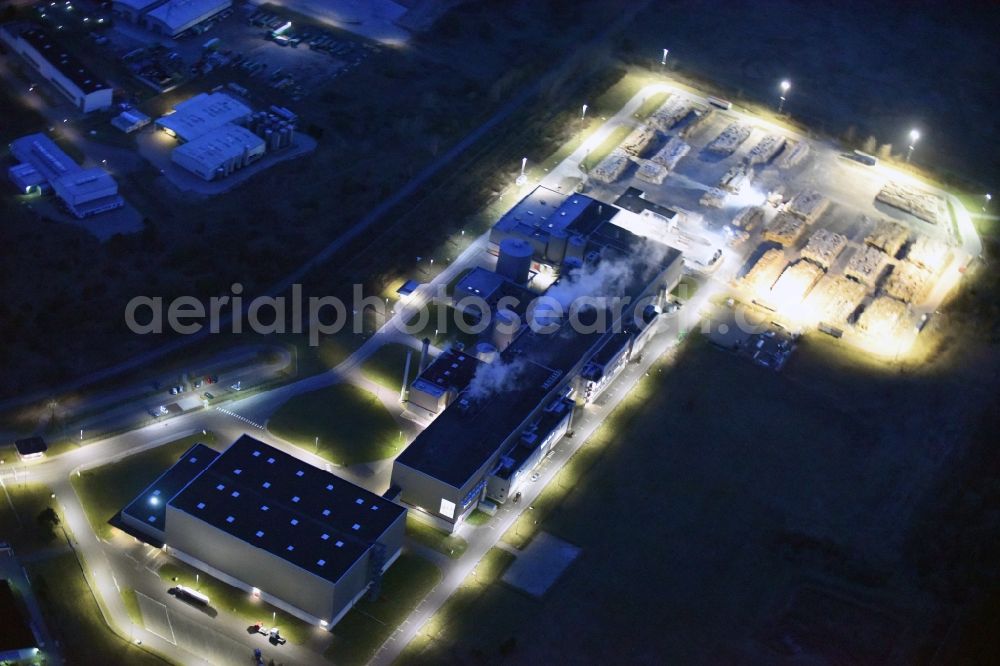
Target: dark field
(728, 514)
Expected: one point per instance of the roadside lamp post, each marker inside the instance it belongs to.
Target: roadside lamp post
(785, 85)
(583, 114)
(989, 197)
(522, 179)
(663, 61)
(914, 137)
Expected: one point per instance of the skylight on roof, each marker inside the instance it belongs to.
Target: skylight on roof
(221, 486)
(324, 537)
(266, 484)
(374, 507)
(321, 562)
(201, 505)
(256, 454)
(236, 493)
(359, 501)
(299, 473)
(326, 512)
(270, 461)
(260, 533)
(355, 527)
(294, 521)
(329, 486)
(296, 498)
(339, 544)
(230, 519)
(237, 471)
(264, 507)
(290, 548)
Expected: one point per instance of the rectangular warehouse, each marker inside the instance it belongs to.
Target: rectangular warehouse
(44, 166)
(173, 17)
(220, 152)
(63, 70)
(263, 520)
(201, 114)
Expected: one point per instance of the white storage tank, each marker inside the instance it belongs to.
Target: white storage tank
(504, 329)
(486, 352)
(556, 249)
(514, 262)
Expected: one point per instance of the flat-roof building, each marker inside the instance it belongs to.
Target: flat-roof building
(43, 165)
(219, 152)
(88, 192)
(63, 70)
(440, 383)
(263, 520)
(514, 409)
(202, 114)
(175, 16)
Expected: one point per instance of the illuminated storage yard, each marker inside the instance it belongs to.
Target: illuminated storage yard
(257, 518)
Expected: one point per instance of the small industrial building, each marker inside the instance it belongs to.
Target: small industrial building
(61, 69)
(17, 641)
(88, 192)
(43, 166)
(499, 413)
(169, 17)
(201, 114)
(30, 448)
(255, 517)
(220, 152)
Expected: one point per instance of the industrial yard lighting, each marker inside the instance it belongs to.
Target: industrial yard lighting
(583, 114)
(785, 85)
(914, 137)
(522, 179)
(989, 197)
(664, 60)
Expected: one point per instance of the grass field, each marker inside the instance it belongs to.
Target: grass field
(233, 600)
(651, 103)
(19, 517)
(352, 424)
(612, 141)
(369, 623)
(386, 365)
(723, 487)
(448, 544)
(473, 599)
(74, 616)
(107, 489)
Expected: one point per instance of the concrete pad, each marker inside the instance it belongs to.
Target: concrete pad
(539, 565)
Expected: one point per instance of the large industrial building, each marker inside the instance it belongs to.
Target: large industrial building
(219, 152)
(42, 166)
(219, 134)
(202, 114)
(502, 409)
(169, 17)
(63, 70)
(255, 517)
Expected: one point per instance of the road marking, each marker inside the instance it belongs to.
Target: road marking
(240, 418)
